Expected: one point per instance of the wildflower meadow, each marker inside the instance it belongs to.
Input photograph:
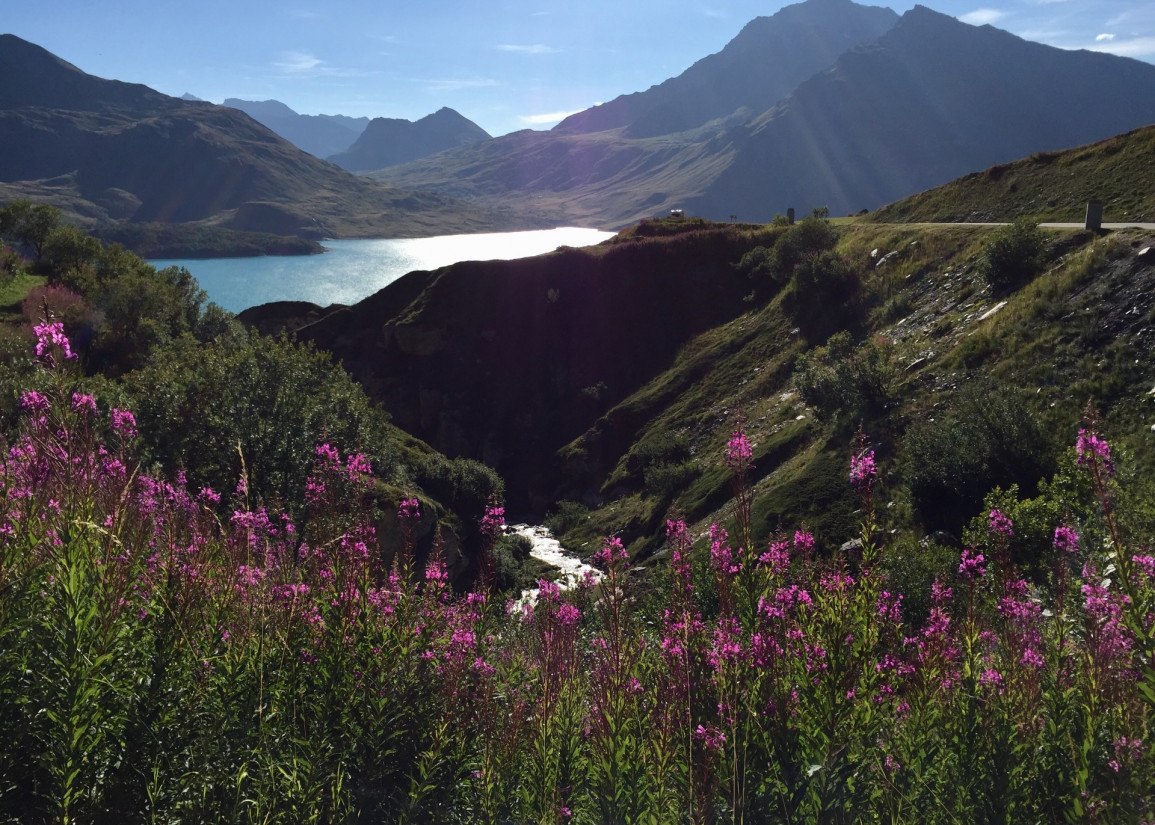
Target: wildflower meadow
(177, 655)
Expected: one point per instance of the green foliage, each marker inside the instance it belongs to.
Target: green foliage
(11, 265)
(139, 309)
(848, 382)
(801, 240)
(825, 294)
(566, 516)
(911, 567)
(464, 485)
(1013, 255)
(262, 400)
(28, 226)
(664, 462)
(988, 437)
(67, 249)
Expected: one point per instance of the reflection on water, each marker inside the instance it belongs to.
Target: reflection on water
(352, 270)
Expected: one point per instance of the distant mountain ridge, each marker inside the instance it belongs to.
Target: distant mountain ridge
(931, 100)
(319, 135)
(924, 101)
(392, 141)
(768, 58)
(105, 150)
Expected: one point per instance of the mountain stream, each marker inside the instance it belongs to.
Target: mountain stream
(546, 548)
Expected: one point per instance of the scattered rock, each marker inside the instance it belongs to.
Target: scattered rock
(992, 310)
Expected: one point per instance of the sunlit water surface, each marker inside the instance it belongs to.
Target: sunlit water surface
(352, 270)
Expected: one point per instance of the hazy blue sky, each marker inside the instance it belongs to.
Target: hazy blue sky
(506, 64)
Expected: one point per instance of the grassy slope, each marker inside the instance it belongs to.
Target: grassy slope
(1082, 330)
(1047, 186)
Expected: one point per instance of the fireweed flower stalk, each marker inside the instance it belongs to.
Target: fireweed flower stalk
(617, 720)
(492, 527)
(738, 456)
(685, 697)
(1093, 454)
(555, 696)
(409, 518)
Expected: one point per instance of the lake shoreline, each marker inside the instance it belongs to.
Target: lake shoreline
(353, 269)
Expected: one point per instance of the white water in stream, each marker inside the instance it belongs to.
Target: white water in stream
(546, 548)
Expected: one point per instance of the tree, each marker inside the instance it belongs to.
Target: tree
(66, 248)
(29, 225)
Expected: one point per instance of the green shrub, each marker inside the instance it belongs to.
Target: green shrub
(824, 294)
(1013, 255)
(790, 248)
(840, 379)
(463, 484)
(566, 516)
(988, 438)
(267, 399)
(911, 567)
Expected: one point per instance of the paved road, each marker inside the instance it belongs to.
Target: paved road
(1105, 226)
(1079, 225)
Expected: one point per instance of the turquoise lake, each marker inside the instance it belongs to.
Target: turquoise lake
(352, 270)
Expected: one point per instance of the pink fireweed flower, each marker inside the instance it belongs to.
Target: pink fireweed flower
(327, 456)
(991, 678)
(972, 565)
(409, 508)
(863, 471)
(1066, 540)
(940, 593)
(803, 542)
(34, 402)
(83, 403)
(711, 737)
(678, 538)
(1001, 524)
(50, 335)
(493, 522)
(1032, 659)
(611, 553)
(358, 467)
(123, 423)
(738, 452)
(776, 557)
(889, 606)
(722, 558)
(1091, 450)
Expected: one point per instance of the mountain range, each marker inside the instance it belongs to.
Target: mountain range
(105, 150)
(360, 144)
(825, 103)
(319, 135)
(389, 141)
(900, 104)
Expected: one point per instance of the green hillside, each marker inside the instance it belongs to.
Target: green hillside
(604, 383)
(1047, 186)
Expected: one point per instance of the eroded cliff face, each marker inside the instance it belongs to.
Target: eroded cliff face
(508, 361)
